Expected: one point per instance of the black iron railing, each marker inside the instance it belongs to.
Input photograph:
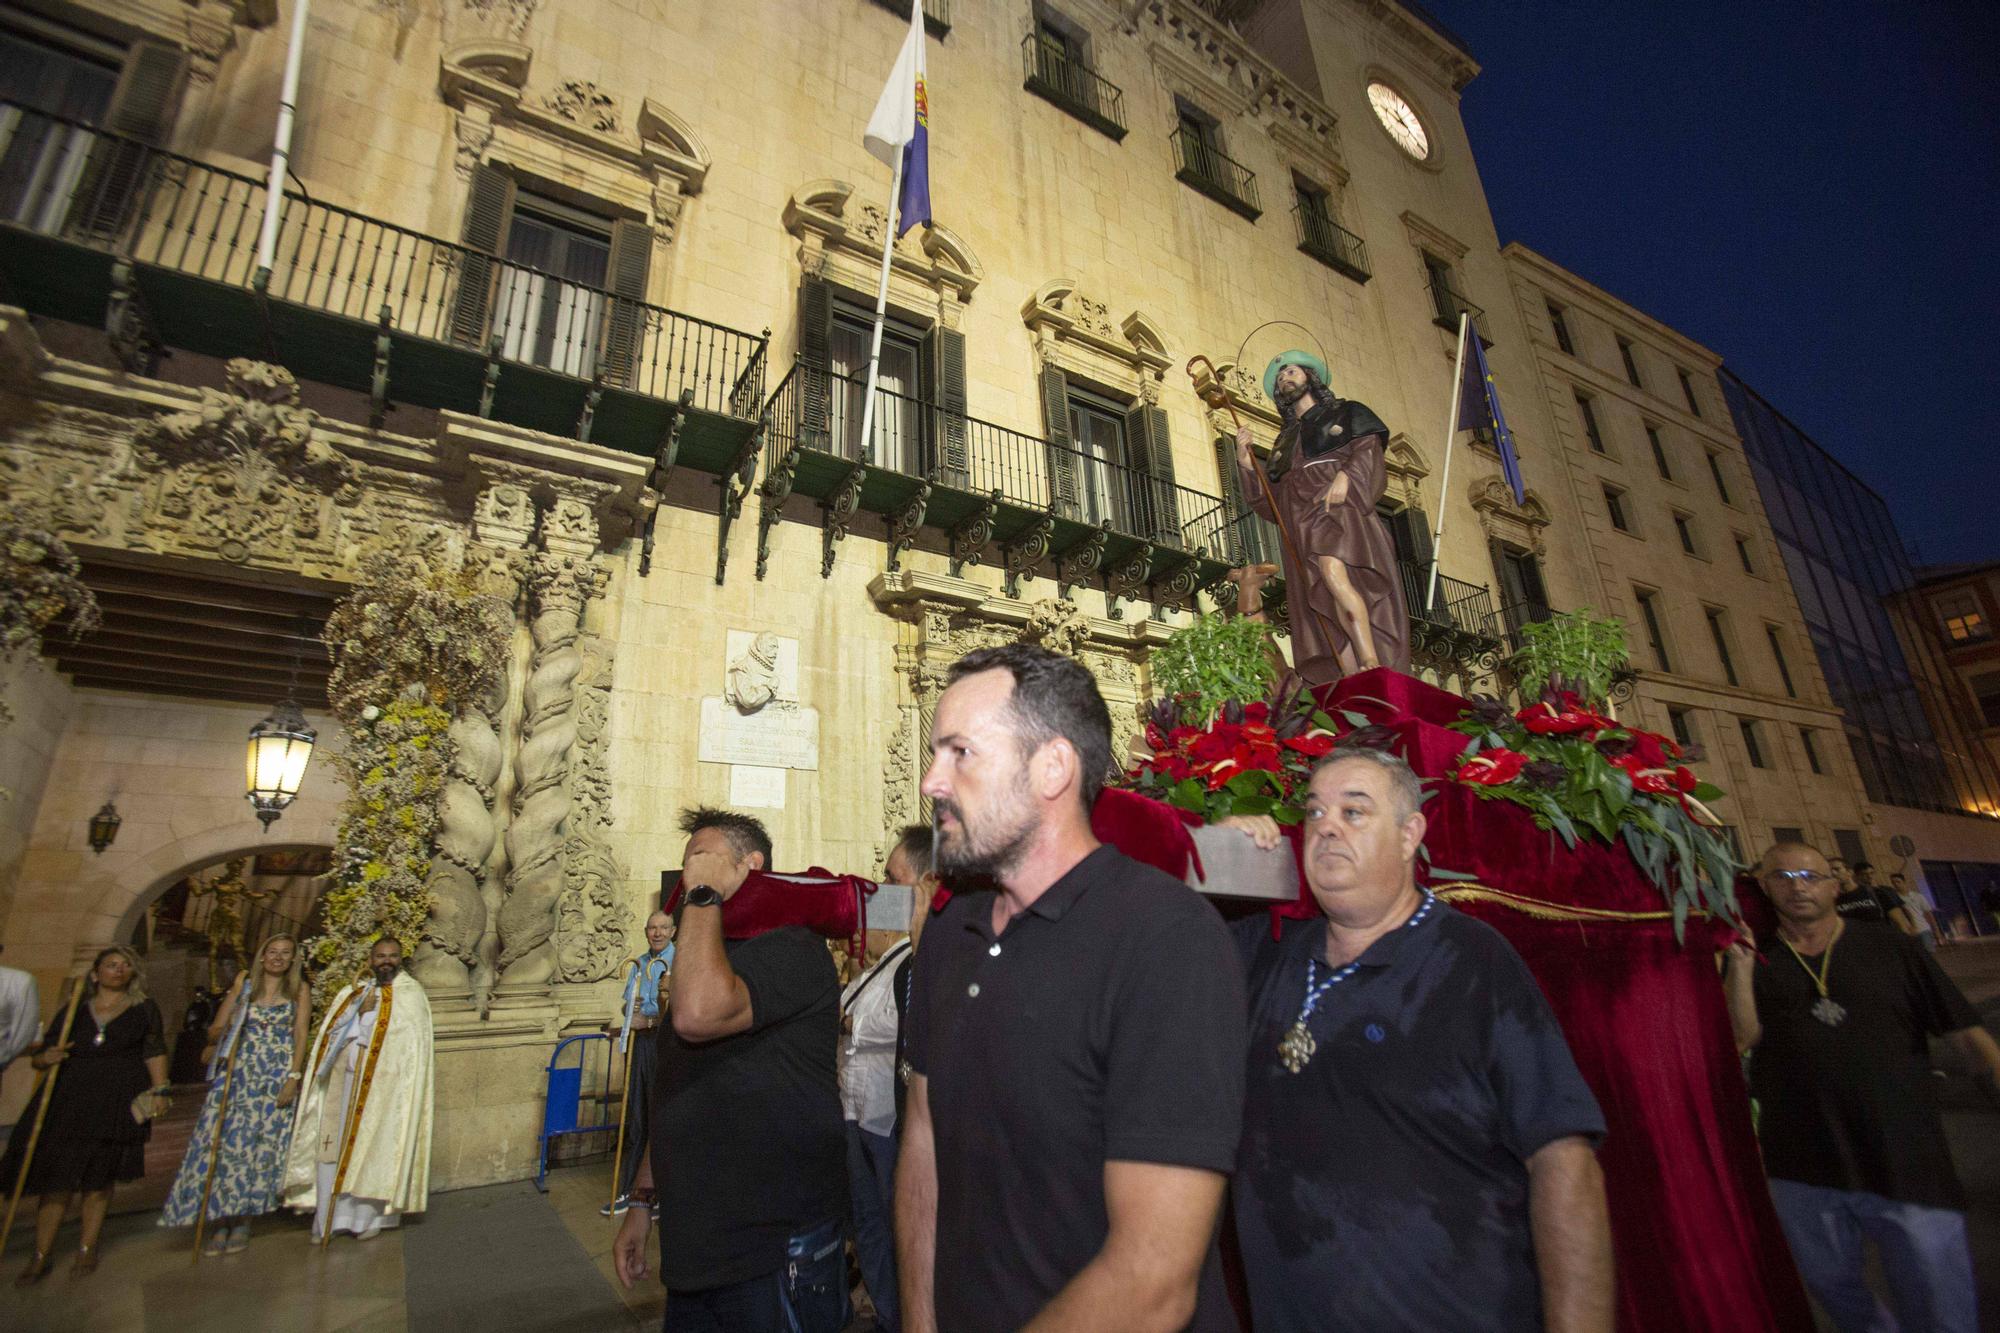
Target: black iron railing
(818, 410)
(1056, 74)
(1208, 169)
(1509, 619)
(937, 14)
(1447, 305)
(1466, 607)
(1330, 243)
(62, 178)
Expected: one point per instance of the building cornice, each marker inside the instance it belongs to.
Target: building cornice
(1551, 275)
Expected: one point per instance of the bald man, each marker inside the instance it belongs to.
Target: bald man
(1837, 1015)
(646, 979)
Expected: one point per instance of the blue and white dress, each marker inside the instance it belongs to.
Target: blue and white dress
(256, 1131)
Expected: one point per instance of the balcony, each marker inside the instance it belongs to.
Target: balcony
(925, 467)
(1447, 305)
(161, 250)
(1507, 622)
(1207, 169)
(937, 15)
(1332, 244)
(1057, 76)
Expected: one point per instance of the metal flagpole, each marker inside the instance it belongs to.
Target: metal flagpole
(881, 310)
(1450, 437)
(281, 147)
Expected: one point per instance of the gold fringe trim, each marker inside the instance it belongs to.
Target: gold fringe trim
(1465, 891)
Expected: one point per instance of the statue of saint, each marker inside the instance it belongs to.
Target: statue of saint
(1343, 589)
(753, 677)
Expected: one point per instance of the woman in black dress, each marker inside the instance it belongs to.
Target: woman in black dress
(114, 1070)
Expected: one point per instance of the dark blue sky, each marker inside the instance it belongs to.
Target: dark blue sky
(1816, 200)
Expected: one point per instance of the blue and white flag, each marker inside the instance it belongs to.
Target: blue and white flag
(901, 126)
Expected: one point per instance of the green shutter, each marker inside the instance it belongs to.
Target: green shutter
(1065, 478)
(142, 111)
(815, 356)
(1156, 508)
(954, 455)
(489, 209)
(1239, 539)
(625, 328)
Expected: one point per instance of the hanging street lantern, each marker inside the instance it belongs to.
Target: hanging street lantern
(280, 746)
(104, 828)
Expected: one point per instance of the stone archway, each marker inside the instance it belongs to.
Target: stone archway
(139, 886)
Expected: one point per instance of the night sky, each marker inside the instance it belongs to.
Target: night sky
(1814, 201)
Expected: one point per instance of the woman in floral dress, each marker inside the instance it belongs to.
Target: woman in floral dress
(265, 1022)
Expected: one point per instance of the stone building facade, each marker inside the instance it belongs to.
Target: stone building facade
(1676, 542)
(568, 296)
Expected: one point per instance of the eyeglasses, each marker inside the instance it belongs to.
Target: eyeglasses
(1799, 876)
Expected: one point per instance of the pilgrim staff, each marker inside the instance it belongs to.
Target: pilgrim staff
(45, 1088)
(221, 1115)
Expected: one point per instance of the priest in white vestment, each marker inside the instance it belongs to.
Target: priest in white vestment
(361, 1140)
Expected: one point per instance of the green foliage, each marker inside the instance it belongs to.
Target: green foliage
(1213, 661)
(1571, 650)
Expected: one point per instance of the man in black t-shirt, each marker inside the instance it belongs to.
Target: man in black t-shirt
(747, 1153)
(1075, 1038)
(1419, 1149)
(1837, 1017)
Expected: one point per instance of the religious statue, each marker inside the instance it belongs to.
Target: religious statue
(753, 677)
(1320, 486)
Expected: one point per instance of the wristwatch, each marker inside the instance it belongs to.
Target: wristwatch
(703, 896)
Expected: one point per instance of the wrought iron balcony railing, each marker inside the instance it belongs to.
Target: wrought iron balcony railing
(1057, 75)
(820, 412)
(1509, 619)
(1447, 305)
(937, 14)
(172, 214)
(1206, 168)
(1330, 243)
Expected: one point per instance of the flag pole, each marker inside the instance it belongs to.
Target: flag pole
(881, 310)
(1450, 438)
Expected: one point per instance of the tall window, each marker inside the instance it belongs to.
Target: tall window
(1649, 611)
(1659, 452)
(1811, 749)
(1560, 324)
(1743, 554)
(1201, 143)
(550, 306)
(1614, 504)
(1682, 722)
(1590, 430)
(898, 426)
(1715, 471)
(45, 159)
(1631, 365)
(1687, 392)
(1719, 633)
(1097, 428)
(1062, 60)
(1751, 744)
(1963, 621)
(1684, 527)
(1778, 656)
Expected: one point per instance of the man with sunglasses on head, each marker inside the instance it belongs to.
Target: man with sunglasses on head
(1837, 1015)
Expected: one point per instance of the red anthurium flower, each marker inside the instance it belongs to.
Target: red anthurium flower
(1653, 749)
(1492, 768)
(1547, 720)
(1312, 744)
(1257, 713)
(1645, 777)
(1685, 780)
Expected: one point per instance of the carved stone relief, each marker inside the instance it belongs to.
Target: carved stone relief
(583, 103)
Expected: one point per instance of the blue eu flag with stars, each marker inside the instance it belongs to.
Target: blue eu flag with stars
(1479, 409)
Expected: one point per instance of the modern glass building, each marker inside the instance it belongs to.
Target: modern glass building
(1849, 568)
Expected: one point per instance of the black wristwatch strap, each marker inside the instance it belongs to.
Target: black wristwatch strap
(703, 896)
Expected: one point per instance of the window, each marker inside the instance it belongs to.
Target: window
(1590, 430)
(1097, 430)
(551, 298)
(1447, 301)
(1523, 598)
(1778, 656)
(1659, 452)
(1059, 69)
(1649, 610)
(1719, 633)
(1811, 749)
(1631, 366)
(1684, 528)
(1715, 471)
(1743, 553)
(1614, 504)
(1203, 165)
(1681, 720)
(1750, 742)
(898, 425)
(1322, 237)
(1787, 834)
(1687, 392)
(1987, 688)
(1963, 621)
(1561, 327)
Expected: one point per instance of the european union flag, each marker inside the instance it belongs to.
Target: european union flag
(1479, 409)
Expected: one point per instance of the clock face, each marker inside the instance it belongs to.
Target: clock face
(1401, 122)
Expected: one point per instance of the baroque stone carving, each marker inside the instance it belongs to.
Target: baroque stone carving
(514, 13)
(900, 772)
(590, 927)
(581, 102)
(1058, 625)
(472, 134)
(258, 420)
(753, 677)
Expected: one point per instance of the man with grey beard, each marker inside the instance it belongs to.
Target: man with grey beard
(1076, 1038)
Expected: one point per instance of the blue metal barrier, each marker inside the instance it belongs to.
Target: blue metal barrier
(564, 1102)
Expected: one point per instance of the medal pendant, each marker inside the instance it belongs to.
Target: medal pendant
(1297, 1048)
(1828, 1011)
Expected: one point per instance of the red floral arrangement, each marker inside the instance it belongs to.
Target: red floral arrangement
(1252, 759)
(1581, 773)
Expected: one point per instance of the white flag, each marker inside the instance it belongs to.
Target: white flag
(894, 123)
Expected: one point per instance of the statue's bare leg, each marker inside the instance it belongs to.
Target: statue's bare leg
(1353, 609)
(1250, 581)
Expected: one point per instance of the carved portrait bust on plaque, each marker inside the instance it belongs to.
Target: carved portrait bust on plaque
(753, 677)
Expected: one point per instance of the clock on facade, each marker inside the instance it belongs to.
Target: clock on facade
(1399, 120)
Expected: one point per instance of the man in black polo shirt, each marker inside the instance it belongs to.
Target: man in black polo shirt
(1075, 1037)
(1419, 1150)
(1837, 1019)
(747, 1150)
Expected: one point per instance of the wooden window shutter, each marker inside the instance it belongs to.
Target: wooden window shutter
(1238, 541)
(489, 209)
(625, 326)
(953, 461)
(1065, 478)
(142, 110)
(1152, 470)
(815, 363)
